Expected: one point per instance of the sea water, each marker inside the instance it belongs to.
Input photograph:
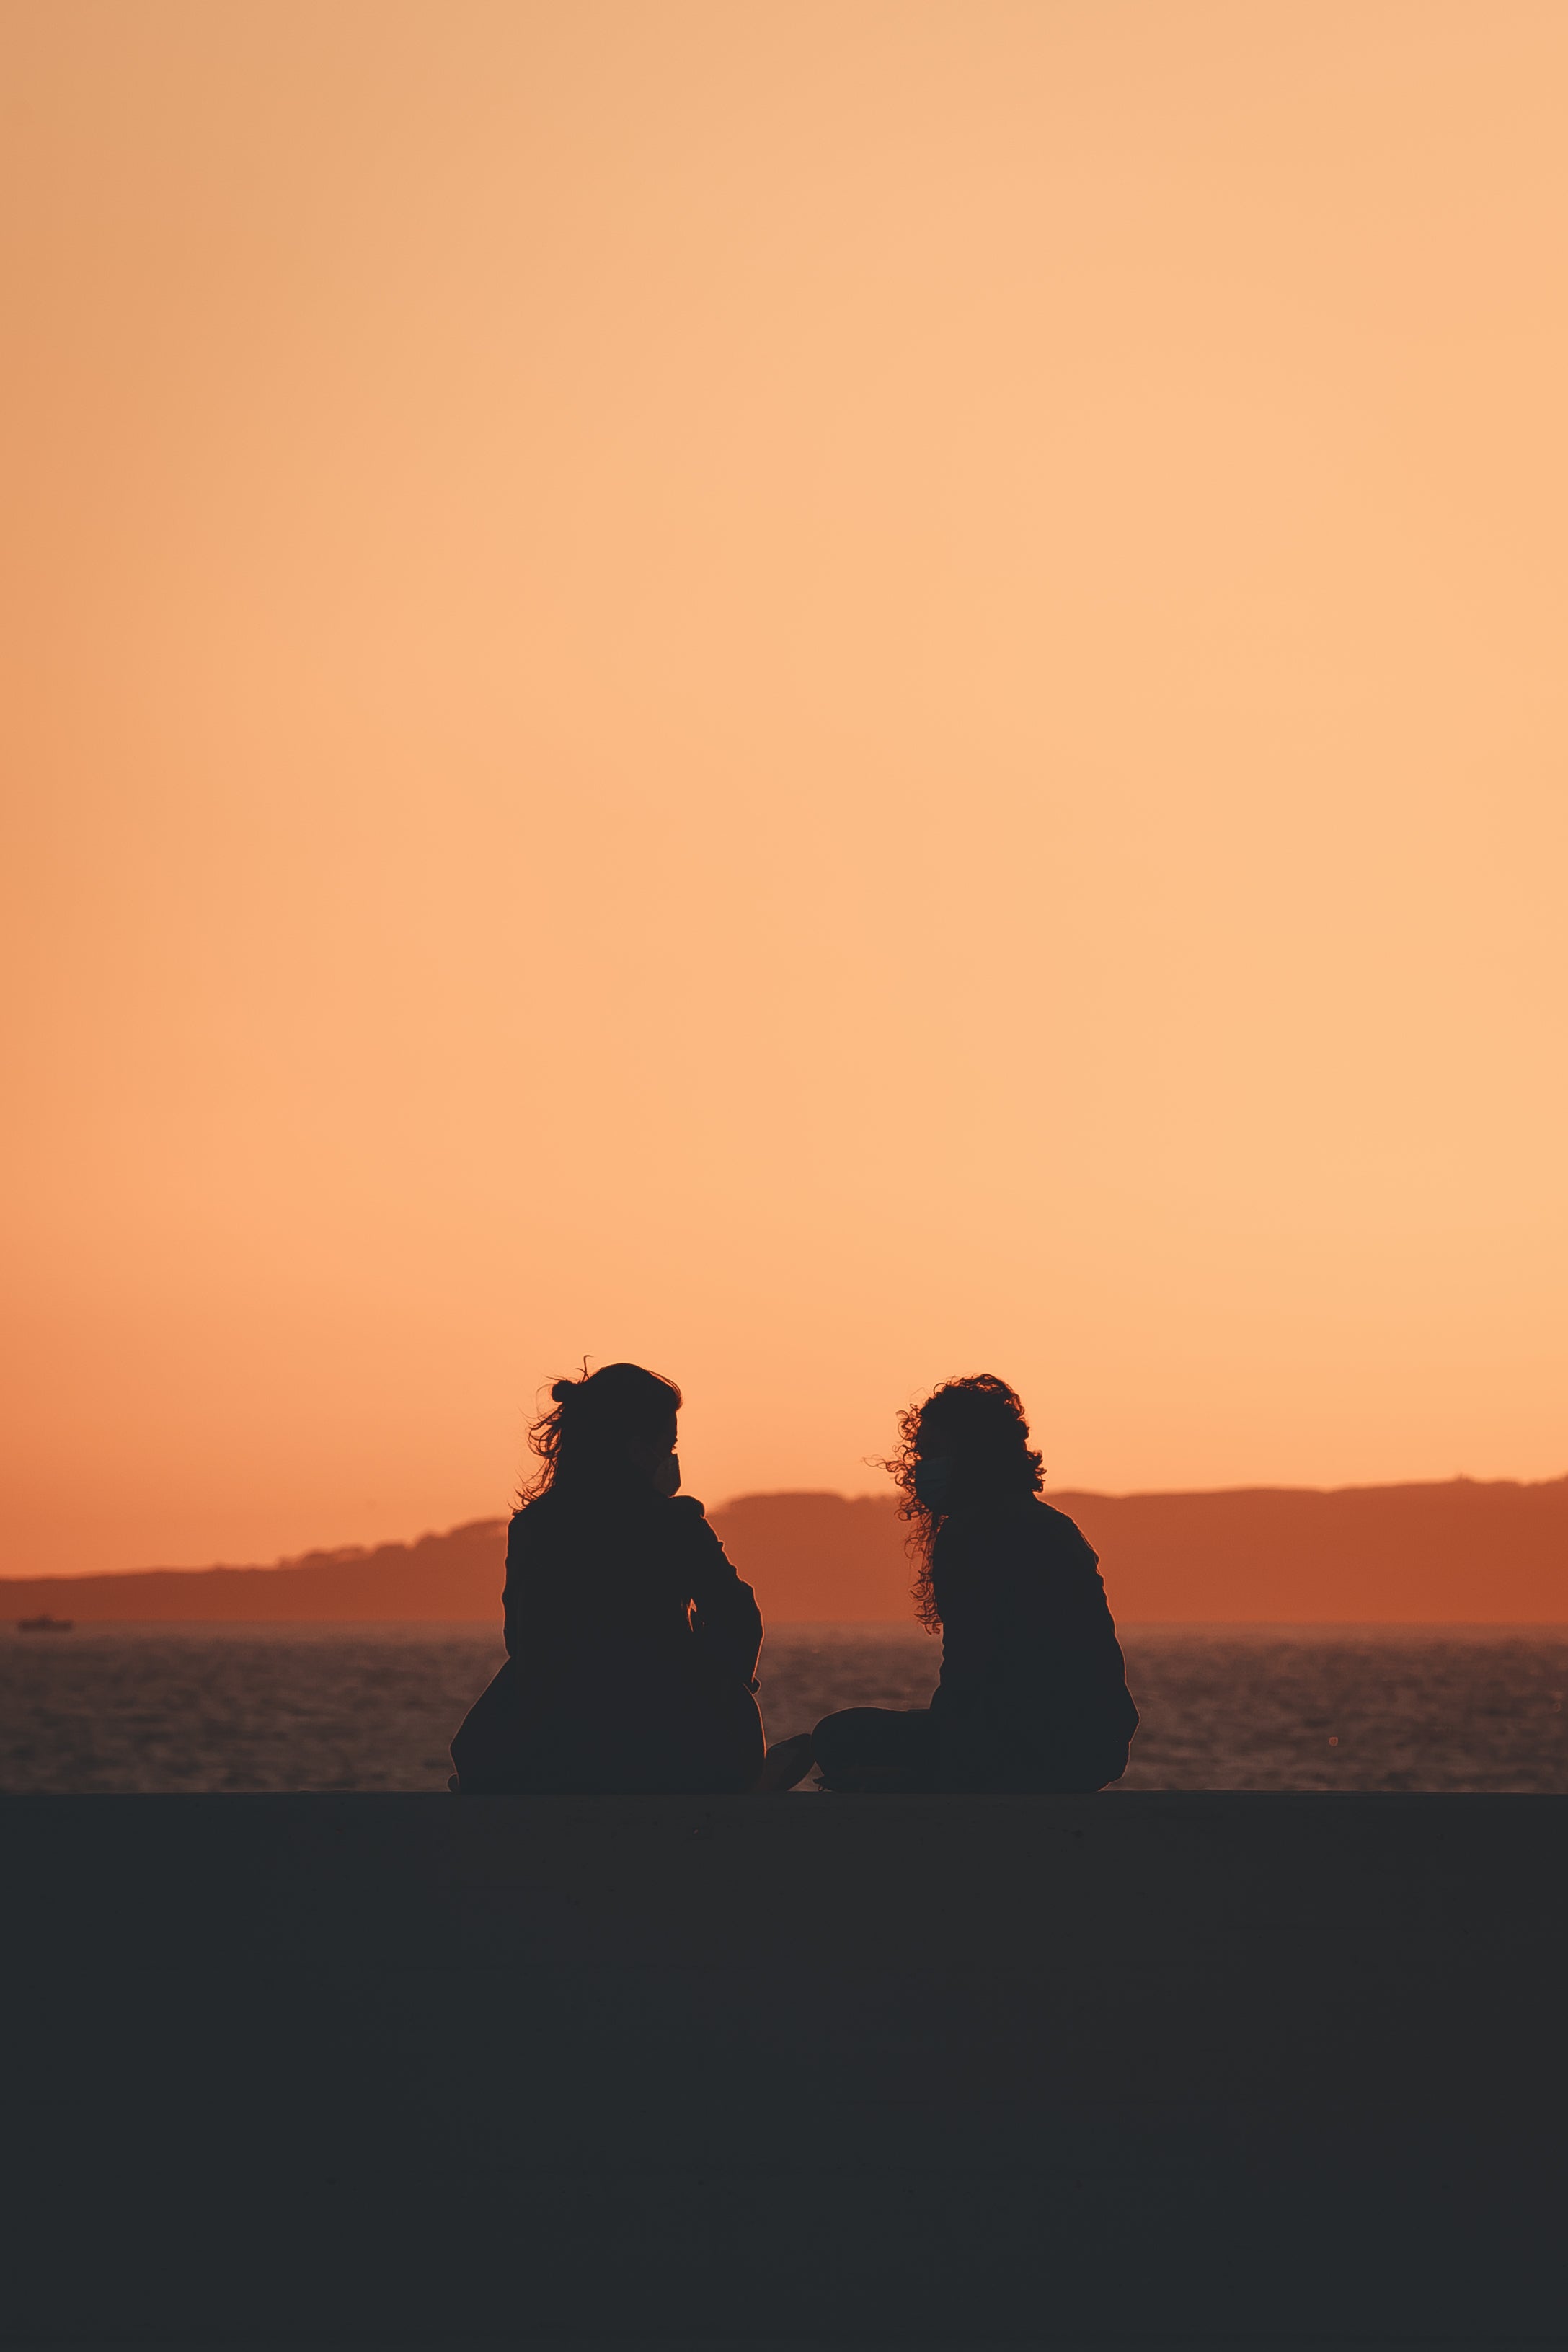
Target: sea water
(173, 1707)
(375, 1706)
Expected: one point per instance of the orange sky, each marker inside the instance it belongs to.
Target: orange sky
(818, 692)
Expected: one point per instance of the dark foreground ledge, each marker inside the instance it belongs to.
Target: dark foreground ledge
(1118, 2070)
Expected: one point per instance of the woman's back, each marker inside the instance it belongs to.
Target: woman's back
(1033, 1690)
(631, 1643)
(602, 1581)
(1030, 1661)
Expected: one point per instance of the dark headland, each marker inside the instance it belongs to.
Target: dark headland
(1460, 1551)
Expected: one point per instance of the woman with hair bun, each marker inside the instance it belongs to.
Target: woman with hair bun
(1032, 1694)
(631, 1643)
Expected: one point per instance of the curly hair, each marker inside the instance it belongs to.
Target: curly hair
(583, 1440)
(979, 1421)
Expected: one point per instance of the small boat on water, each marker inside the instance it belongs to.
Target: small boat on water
(44, 1625)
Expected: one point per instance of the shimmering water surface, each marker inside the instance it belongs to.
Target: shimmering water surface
(163, 1707)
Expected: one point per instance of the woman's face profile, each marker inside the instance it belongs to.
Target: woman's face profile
(932, 1440)
(932, 1465)
(655, 1458)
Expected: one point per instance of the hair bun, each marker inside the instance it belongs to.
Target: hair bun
(563, 1388)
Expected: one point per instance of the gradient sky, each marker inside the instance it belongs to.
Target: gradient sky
(823, 692)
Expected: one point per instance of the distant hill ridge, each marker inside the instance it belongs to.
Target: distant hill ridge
(1464, 1551)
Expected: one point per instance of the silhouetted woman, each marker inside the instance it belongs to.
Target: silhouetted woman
(630, 1642)
(1033, 1691)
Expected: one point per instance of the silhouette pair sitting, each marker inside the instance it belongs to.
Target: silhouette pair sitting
(632, 1644)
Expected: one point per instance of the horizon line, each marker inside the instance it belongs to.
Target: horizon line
(754, 1495)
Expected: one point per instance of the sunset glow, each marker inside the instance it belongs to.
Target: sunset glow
(816, 692)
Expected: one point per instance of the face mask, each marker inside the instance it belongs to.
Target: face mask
(934, 1481)
(667, 1477)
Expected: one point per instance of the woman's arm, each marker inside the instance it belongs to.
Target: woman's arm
(725, 1614)
(512, 1589)
(970, 1585)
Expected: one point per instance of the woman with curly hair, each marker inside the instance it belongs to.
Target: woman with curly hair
(631, 1643)
(1032, 1694)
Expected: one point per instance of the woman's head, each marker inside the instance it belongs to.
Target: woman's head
(969, 1442)
(609, 1429)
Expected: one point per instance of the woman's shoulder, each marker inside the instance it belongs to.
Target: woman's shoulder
(677, 1517)
(1057, 1523)
(684, 1519)
(549, 1518)
(1056, 1532)
(530, 1519)
(1027, 1530)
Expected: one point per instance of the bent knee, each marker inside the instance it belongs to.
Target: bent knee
(833, 1741)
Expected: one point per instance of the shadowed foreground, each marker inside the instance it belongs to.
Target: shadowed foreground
(1231, 2069)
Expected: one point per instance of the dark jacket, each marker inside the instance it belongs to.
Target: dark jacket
(631, 1647)
(1033, 1686)
(637, 1582)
